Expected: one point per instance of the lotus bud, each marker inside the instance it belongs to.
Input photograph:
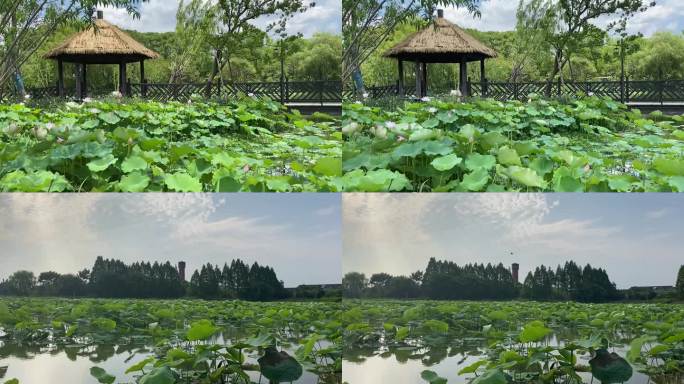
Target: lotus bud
(381, 132)
(40, 132)
(60, 140)
(11, 129)
(245, 169)
(49, 126)
(350, 128)
(130, 141)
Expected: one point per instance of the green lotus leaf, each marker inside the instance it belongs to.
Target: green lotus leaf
(182, 182)
(445, 163)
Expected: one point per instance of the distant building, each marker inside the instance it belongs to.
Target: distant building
(181, 270)
(515, 267)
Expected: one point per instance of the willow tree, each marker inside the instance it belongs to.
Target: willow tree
(366, 24)
(235, 26)
(574, 22)
(26, 24)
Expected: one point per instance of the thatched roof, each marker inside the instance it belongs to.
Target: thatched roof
(102, 44)
(441, 42)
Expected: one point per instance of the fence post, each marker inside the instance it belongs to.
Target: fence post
(287, 90)
(485, 90)
(143, 88)
(662, 87)
(469, 87)
(627, 90)
(560, 90)
(622, 89)
(515, 90)
(320, 91)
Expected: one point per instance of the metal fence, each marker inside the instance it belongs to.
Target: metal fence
(644, 91)
(290, 92)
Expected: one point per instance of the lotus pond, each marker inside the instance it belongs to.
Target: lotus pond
(246, 145)
(512, 342)
(163, 342)
(589, 145)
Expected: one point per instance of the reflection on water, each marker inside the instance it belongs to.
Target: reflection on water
(403, 365)
(51, 363)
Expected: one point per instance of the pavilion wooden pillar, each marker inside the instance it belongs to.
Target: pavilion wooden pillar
(400, 83)
(79, 81)
(483, 78)
(143, 90)
(463, 77)
(84, 87)
(423, 82)
(60, 78)
(419, 78)
(122, 78)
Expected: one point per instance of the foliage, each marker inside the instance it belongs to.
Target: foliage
(446, 280)
(680, 282)
(367, 23)
(114, 278)
(512, 342)
(189, 341)
(247, 145)
(353, 284)
(485, 145)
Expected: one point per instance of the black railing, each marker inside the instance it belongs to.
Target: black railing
(641, 91)
(290, 92)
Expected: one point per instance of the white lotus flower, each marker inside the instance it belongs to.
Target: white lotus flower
(380, 132)
(40, 132)
(60, 140)
(400, 138)
(590, 94)
(350, 128)
(365, 95)
(27, 96)
(94, 111)
(11, 129)
(432, 109)
(49, 126)
(358, 102)
(250, 94)
(425, 98)
(391, 125)
(455, 92)
(88, 100)
(117, 94)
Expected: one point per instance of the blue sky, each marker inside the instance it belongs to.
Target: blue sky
(160, 16)
(297, 234)
(499, 15)
(637, 238)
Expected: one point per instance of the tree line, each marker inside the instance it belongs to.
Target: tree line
(112, 278)
(212, 41)
(552, 41)
(446, 280)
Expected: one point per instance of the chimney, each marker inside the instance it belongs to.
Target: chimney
(100, 15)
(440, 13)
(514, 271)
(181, 270)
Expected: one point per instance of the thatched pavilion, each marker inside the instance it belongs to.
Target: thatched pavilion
(441, 42)
(102, 44)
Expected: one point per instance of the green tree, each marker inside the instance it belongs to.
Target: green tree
(366, 24)
(26, 24)
(353, 284)
(21, 283)
(680, 282)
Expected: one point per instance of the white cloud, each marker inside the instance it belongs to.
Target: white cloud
(499, 15)
(160, 16)
(656, 214)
